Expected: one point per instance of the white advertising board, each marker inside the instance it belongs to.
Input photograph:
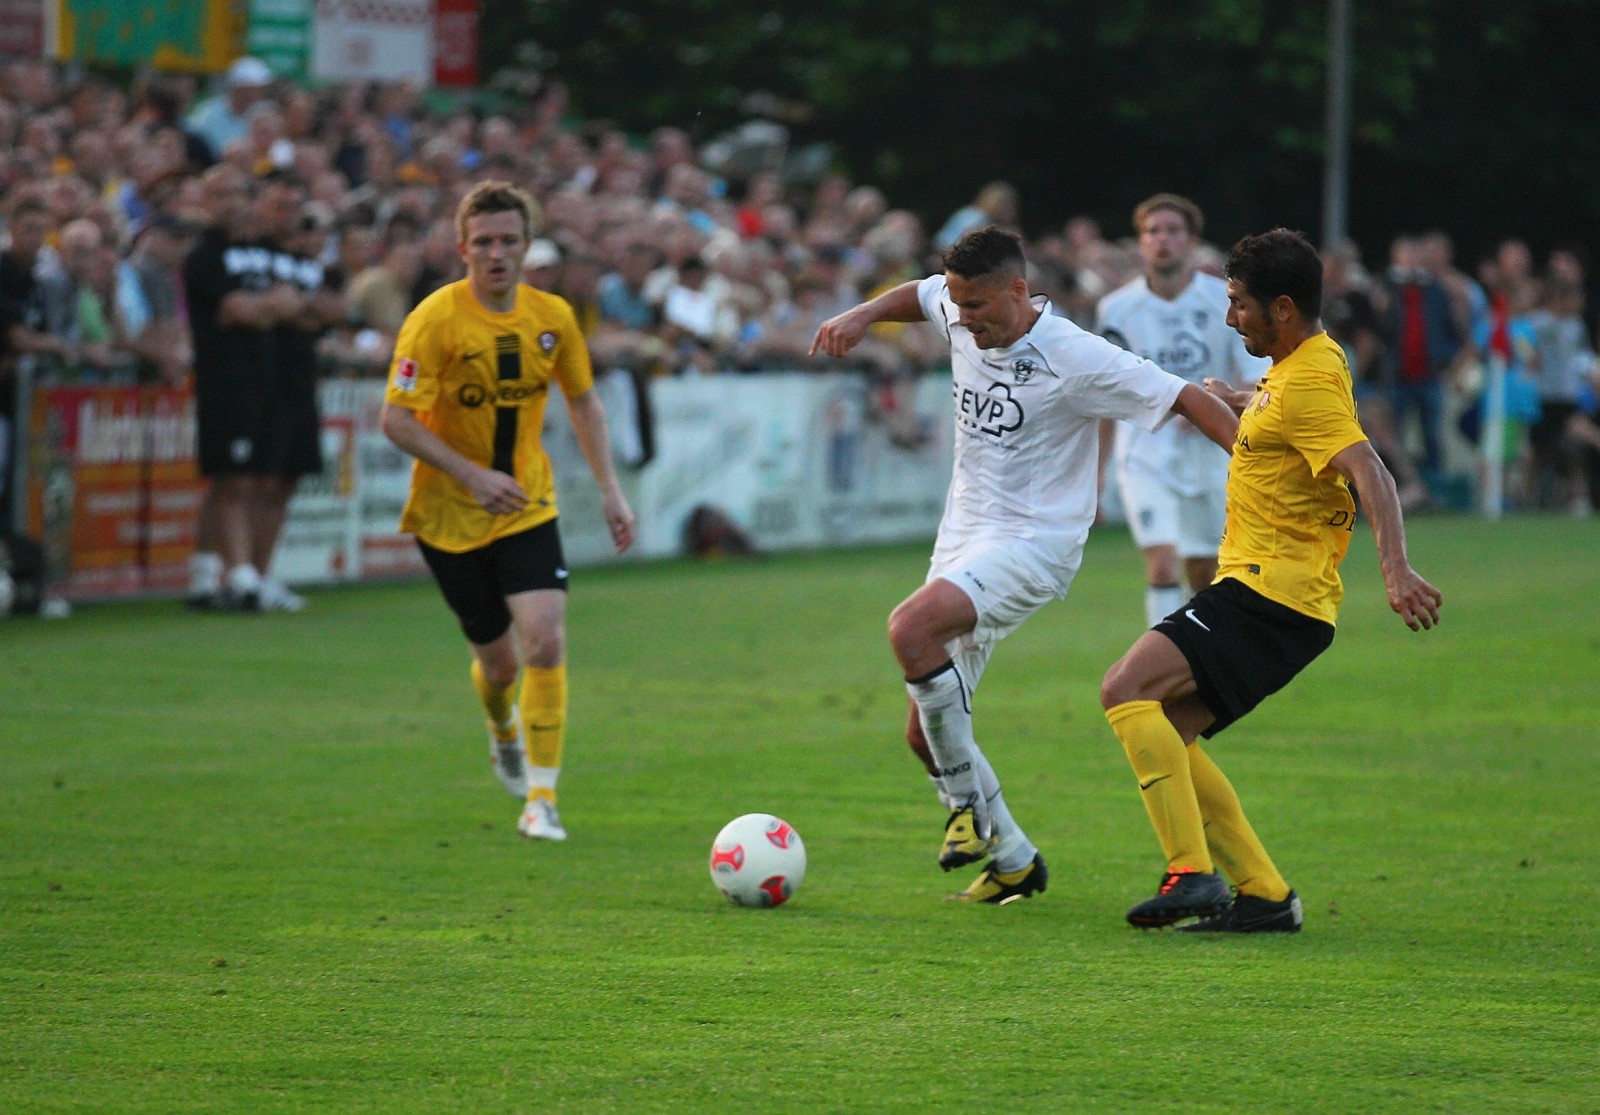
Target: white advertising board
(799, 461)
(373, 40)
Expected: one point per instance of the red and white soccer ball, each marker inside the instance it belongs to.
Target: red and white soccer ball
(758, 860)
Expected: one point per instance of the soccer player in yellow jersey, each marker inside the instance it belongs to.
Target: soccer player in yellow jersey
(1272, 607)
(472, 371)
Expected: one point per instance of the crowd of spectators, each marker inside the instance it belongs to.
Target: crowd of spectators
(1430, 344)
(677, 263)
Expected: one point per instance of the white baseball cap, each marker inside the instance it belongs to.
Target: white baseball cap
(249, 72)
(541, 253)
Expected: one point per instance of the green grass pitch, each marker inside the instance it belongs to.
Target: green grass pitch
(260, 863)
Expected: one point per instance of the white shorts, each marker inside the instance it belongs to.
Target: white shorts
(1158, 515)
(1007, 582)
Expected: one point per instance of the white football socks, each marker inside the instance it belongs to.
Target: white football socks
(1014, 850)
(944, 797)
(946, 714)
(1160, 601)
(941, 700)
(205, 573)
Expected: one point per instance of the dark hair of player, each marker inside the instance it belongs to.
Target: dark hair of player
(1278, 264)
(986, 251)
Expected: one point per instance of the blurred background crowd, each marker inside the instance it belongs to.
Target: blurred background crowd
(678, 259)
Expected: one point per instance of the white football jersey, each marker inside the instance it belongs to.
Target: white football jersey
(1189, 337)
(1027, 428)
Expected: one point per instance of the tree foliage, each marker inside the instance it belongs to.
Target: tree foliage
(1474, 115)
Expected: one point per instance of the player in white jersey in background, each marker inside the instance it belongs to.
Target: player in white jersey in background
(1172, 480)
(1030, 391)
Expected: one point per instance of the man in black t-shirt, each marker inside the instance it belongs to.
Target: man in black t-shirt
(236, 304)
(296, 433)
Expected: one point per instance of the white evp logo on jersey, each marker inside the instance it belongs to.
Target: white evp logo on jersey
(1183, 355)
(547, 343)
(1022, 371)
(991, 412)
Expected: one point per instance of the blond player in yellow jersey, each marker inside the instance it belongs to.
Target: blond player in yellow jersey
(1272, 607)
(473, 367)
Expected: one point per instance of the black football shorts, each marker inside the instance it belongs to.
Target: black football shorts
(475, 583)
(1242, 647)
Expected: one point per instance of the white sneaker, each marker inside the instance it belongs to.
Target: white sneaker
(510, 762)
(276, 596)
(541, 821)
(242, 588)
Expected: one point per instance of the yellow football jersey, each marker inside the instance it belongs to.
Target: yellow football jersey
(480, 381)
(1289, 515)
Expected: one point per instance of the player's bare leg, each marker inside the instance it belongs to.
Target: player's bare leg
(1200, 572)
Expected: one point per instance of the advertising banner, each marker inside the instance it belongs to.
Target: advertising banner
(113, 495)
(198, 37)
(798, 461)
(280, 35)
(373, 40)
(342, 522)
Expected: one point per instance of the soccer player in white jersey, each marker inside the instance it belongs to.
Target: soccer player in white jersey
(1030, 390)
(1172, 479)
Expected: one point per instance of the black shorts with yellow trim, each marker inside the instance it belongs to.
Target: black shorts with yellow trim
(1242, 647)
(475, 583)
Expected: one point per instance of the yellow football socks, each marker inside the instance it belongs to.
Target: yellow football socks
(544, 718)
(1228, 833)
(1159, 762)
(496, 704)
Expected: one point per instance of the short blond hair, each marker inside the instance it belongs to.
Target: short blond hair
(1188, 210)
(497, 197)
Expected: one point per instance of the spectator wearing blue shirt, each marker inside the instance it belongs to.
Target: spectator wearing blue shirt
(223, 119)
(623, 297)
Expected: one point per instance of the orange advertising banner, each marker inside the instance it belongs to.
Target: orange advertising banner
(113, 490)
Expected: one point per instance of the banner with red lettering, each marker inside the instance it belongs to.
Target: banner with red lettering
(113, 492)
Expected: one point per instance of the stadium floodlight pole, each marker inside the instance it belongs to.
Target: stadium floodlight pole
(1336, 131)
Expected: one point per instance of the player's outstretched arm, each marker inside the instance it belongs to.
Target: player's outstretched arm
(589, 426)
(1210, 415)
(841, 333)
(496, 492)
(1413, 599)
